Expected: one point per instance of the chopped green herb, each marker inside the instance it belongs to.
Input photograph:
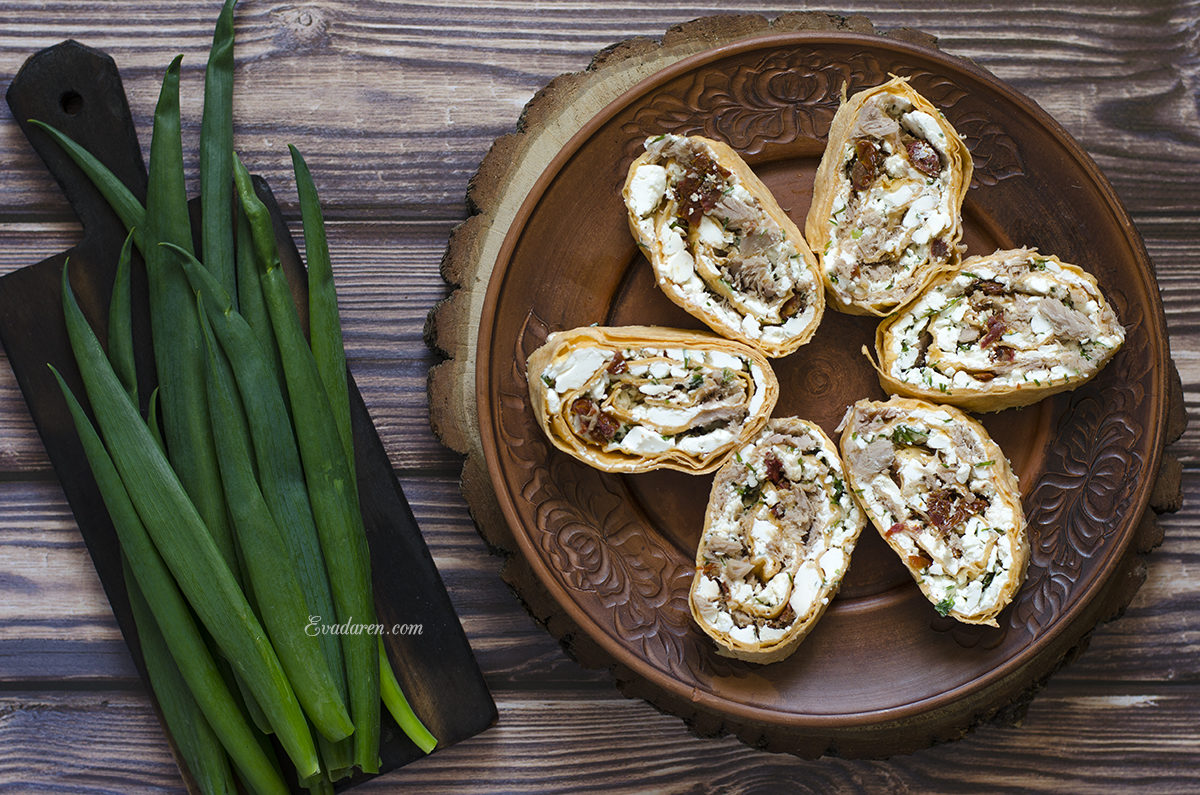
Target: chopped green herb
(839, 488)
(750, 494)
(905, 434)
(945, 606)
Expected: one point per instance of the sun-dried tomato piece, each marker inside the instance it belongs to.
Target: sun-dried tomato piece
(995, 329)
(697, 198)
(939, 248)
(866, 164)
(991, 287)
(1003, 353)
(599, 426)
(947, 509)
(606, 427)
(774, 468)
(701, 189)
(939, 507)
(617, 365)
(898, 527)
(920, 561)
(924, 157)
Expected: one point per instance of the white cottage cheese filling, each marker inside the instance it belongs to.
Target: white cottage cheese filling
(780, 529)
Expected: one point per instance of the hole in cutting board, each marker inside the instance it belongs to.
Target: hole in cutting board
(71, 102)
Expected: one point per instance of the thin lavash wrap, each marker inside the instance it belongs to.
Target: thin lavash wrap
(944, 497)
(778, 534)
(722, 248)
(638, 398)
(1005, 329)
(873, 253)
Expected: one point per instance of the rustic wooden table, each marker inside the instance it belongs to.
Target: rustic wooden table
(394, 104)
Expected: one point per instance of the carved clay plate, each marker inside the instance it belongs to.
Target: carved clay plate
(616, 552)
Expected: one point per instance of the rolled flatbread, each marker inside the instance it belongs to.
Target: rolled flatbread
(778, 534)
(886, 214)
(721, 247)
(944, 498)
(1006, 329)
(637, 398)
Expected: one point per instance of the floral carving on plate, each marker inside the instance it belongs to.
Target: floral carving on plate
(790, 95)
(1095, 463)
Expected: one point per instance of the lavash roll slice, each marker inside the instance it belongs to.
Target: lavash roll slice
(886, 214)
(944, 498)
(1005, 329)
(720, 246)
(778, 534)
(638, 398)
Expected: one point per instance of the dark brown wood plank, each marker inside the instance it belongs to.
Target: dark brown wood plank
(55, 624)
(1073, 739)
(401, 100)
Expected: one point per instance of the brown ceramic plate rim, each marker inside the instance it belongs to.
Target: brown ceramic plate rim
(624, 656)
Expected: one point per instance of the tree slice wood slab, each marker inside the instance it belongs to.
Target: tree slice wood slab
(604, 561)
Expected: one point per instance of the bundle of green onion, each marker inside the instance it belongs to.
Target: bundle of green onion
(239, 520)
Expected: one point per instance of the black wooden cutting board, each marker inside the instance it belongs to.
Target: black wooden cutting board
(78, 90)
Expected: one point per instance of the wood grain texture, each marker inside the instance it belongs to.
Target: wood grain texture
(589, 742)
(394, 105)
(72, 621)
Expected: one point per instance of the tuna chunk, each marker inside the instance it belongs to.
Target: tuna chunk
(875, 457)
(1065, 321)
